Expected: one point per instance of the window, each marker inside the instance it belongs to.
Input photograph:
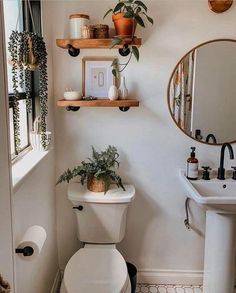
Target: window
(18, 11)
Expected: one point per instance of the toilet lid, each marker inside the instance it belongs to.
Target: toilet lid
(100, 270)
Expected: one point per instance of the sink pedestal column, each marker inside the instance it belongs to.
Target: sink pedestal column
(220, 245)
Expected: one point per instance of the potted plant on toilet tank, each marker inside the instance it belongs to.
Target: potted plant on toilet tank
(98, 171)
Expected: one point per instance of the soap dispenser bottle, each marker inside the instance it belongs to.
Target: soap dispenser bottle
(192, 166)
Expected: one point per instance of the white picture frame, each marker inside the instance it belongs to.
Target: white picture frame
(97, 76)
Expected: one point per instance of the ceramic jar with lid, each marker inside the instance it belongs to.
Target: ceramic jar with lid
(87, 32)
(77, 21)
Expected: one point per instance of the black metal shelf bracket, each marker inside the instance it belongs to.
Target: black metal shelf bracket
(75, 109)
(124, 109)
(72, 108)
(125, 51)
(73, 52)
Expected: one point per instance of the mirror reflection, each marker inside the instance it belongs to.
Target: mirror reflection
(202, 92)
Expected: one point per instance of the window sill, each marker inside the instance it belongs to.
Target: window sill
(23, 167)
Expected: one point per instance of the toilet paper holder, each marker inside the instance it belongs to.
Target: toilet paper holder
(26, 251)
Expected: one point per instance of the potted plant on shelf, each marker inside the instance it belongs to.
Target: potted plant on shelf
(28, 53)
(97, 172)
(126, 15)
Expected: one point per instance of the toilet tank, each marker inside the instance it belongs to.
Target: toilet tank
(101, 218)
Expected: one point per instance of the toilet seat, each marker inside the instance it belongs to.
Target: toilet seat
(97, 269)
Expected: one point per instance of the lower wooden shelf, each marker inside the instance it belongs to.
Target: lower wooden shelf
(98, 103)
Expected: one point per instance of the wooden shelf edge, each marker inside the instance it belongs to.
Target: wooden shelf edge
(94, 43)
(99, 103)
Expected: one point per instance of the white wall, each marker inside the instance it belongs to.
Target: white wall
(34, 204)
(152, 148)
(6, 239)
(214, 102)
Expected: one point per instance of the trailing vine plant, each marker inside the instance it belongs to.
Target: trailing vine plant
(28, 52)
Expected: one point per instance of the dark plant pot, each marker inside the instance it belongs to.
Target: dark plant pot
(96, 185)
(132, 271)
(125, 27)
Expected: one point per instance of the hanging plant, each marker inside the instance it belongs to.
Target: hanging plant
(28, 53)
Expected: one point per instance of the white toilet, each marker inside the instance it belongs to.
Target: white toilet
(101, 219)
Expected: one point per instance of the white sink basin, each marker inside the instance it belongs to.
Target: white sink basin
(218, 198)
(214, 194)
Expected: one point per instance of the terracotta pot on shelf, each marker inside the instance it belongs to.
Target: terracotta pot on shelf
(96, 185)
(125, 27)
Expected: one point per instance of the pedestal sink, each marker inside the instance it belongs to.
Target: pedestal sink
(218, 198)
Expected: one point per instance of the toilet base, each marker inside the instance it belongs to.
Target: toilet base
(63, 289)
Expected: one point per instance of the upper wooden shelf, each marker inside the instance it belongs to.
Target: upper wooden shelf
(95, 43)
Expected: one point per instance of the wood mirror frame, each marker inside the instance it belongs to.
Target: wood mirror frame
(169, 87)
(220, 6)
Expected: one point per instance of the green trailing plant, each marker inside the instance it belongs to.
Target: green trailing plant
(28, 52)
(132, 9)
(101, 166)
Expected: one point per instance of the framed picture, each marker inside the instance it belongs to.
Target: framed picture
(97, 76)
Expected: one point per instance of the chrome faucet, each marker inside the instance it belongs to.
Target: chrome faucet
(221, 170)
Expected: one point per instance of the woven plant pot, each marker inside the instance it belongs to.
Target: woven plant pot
(96, 185)
(31, 62)
(29, 59)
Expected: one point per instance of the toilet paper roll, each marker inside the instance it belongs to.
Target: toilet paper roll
(34, 237)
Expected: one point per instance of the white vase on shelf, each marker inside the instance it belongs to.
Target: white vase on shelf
(123, 91)
(113, 93)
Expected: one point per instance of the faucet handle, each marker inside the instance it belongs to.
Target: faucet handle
(206, 174)
(234, 173)
(206, 168)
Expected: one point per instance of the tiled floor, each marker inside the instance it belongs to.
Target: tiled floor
(147, 288)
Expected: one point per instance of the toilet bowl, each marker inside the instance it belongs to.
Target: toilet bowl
(96, 268)
(101, 223)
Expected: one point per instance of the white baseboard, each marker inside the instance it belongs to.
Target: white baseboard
(160, 277)
(57, 283)
(177, 277)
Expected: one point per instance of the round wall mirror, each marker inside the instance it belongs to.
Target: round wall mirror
(202, 92)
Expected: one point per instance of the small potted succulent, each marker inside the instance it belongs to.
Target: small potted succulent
(36, 136)
(126, 15)
(98, 171)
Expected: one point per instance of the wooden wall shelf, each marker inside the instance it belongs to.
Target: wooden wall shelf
(124, 105)
(94, 43)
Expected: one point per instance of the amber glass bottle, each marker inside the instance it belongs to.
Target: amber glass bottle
(192, 166)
